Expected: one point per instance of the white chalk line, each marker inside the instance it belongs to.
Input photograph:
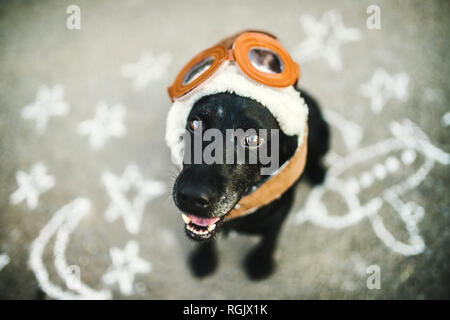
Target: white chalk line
(446, 119)
(63, 222)
(4, 260)
(32, 185)
(131, 210)
(383, 87)
(48, 102)
(149, 68)
(125, 265)
(351, 132)
(108, 122)
(407, 136)
(325, 36)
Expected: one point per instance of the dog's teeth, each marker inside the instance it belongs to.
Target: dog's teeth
(201, 231)
(237, 206)
(195, 230)
(185, 218)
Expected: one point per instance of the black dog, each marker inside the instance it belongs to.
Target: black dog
(211, 191)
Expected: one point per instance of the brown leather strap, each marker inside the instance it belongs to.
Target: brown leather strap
(274, 187)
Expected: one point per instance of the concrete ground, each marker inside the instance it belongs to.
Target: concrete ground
(103, 227)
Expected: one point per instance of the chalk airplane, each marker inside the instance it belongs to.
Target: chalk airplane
(361, 192)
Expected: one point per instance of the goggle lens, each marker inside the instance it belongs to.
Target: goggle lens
(197, 70)
(266, 60)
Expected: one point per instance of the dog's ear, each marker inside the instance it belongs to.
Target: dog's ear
(319, 137)
(318, 140)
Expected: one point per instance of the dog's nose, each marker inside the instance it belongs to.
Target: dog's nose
(194, 197)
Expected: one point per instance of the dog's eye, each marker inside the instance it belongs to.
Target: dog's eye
(195, 125)
(253, 141)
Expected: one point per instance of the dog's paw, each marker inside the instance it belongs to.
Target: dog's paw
(258, 265)
(203, 260)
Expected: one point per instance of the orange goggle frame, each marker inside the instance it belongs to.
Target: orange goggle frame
(259, 55)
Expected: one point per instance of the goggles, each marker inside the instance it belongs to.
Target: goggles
(258, 54)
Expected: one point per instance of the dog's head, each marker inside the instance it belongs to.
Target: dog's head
(205, 193)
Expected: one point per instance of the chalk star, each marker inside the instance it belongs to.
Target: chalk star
(32, 185)
(148, 68)
(382, 87)
(446, 119)
(48, 102)
(108, 122)
(324, 39)
(131, 211)
(125, 265)
(4, 260)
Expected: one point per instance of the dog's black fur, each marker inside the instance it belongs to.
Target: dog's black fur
(213, 190)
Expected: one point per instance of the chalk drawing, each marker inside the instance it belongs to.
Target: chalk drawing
(108, 122)
(383, 87)
(324, 39)
(352, 133)
(446, 119)
(4, 260)
(408, 139)
(49, 102)
(32, 185)
(432, 95)
(149, 68)
(60, 226)
(125, 265)
(130, 210)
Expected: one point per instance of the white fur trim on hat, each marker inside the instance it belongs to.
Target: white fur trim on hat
(285, 104)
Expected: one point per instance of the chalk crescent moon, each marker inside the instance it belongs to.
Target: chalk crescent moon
(61, 225)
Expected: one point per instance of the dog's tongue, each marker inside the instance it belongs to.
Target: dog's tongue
(204, 222)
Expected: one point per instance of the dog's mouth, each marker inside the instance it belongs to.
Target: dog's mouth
(200, 228)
